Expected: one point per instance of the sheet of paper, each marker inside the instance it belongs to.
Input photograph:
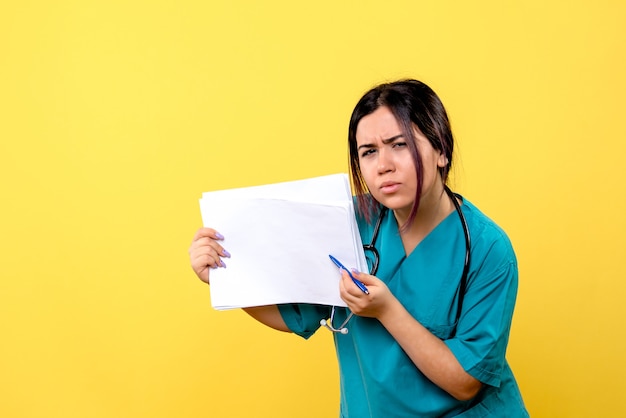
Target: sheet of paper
(279, 237)
(334, 187)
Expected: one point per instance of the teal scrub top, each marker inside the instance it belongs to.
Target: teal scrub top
(377, 378)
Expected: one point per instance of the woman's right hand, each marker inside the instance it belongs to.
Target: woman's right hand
(205, 252)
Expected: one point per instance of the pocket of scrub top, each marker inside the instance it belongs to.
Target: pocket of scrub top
(476, 411)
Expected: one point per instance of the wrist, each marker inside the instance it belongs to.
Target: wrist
(392, 311)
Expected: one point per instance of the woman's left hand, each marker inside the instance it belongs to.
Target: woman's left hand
(370, 305)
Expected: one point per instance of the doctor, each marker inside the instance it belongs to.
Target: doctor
(429, 338)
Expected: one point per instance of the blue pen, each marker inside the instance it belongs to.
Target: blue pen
(356, 281)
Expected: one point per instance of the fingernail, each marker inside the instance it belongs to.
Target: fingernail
(219, 236)
(226, 253)
(355, 271)
(222, 263)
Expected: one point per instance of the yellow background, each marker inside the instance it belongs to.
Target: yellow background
(116, 115)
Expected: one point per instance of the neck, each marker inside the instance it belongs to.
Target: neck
(434, 207)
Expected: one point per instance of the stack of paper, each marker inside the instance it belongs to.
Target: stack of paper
(279, 237)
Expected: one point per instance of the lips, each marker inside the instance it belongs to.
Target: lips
(389, 187)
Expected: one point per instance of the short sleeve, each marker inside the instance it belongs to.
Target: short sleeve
(483, 329)
(303, 319)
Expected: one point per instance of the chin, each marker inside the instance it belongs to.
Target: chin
(395, 202)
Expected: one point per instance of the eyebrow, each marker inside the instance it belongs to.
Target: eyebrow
(385, 141)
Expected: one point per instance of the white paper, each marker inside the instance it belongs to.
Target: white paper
(279, 237)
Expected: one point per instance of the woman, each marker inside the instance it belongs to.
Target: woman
(429, 337)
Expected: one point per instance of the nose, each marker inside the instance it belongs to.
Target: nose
(385, 161)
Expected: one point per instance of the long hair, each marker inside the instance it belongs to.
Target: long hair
(413, 104)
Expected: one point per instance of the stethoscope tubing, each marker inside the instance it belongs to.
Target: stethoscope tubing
(372, 248)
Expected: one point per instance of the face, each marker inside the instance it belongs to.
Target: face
(387, 166)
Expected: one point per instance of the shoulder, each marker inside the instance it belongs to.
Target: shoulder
(489, 242)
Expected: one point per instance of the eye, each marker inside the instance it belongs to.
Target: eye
(367, 152)
(399, 144)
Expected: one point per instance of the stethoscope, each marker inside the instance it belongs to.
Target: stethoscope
(371, 248)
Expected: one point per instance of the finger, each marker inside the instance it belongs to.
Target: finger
(207, 255)
(209, 233)
(201, 259)
(204, 255)
(205, 244)
(348, 287)
(203, 263)
(364, 278)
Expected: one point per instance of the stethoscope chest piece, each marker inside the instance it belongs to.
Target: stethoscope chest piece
(342, 329)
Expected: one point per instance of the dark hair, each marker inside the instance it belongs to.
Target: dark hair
(413, 104)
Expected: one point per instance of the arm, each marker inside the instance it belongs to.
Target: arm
(429, 354)
(268, 315)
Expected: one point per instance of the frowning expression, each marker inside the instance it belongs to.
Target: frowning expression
(386, 162)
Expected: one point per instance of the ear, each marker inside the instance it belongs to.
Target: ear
(443, 160)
